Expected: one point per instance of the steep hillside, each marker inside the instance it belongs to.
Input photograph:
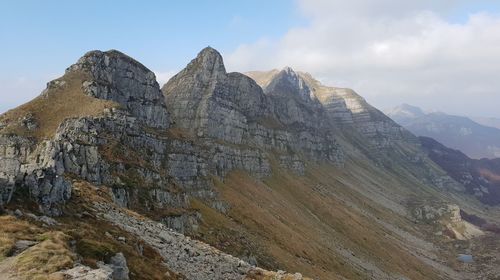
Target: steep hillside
(480, 177)
(286, 175)
(474, 139)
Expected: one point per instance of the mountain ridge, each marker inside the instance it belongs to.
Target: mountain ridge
(458, 132)
(323, 183)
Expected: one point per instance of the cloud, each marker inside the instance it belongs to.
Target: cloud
(163, 77)
(19, 90)
(391, 52)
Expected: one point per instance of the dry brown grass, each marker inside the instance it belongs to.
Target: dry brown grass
(179, 133)
(490, 175)
(6, 245)
(300, 228)
(52, 254)
(52, 109)
(13, 229)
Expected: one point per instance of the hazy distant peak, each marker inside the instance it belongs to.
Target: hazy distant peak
(406, 110)
(457, 132)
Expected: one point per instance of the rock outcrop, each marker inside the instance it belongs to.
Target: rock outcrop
(117, 77)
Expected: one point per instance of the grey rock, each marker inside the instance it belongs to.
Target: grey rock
(18, 213)
(191, 258)
(119, 265)
(48, 221)
(22, 245)
(183, 223)
(81, 272)
(212, 104)
(116, 76)
(29, 122)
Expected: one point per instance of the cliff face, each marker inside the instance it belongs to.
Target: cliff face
(342, 105)
(289, 173)
(213, 105)
(117, 77)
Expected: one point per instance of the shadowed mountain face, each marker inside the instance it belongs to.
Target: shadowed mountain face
(480, 177)
(474, 139)
(273, 168)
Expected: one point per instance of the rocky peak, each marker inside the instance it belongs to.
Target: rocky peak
(95, 60)
(208, 66)
(115, 76)
(405, 111)
(287, 82)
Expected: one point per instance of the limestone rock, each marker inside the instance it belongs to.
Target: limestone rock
(119, 265)
(22, 245)
(81, 272)
(117, 77)
(212, 104)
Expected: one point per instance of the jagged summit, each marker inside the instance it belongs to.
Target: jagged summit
(115, 76)
(97, 57)
(96, 82)
(208, 61)
(287, 82)
(405, 111)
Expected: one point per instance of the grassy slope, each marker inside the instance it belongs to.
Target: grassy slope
(51, 109)
(306, 223)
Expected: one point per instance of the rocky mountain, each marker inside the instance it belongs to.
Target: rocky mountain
(462, 133)
(404, 114)
(480, 177)
(223, 175)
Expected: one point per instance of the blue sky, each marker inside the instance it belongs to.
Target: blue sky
(390, 51)
(41, 38)
(162, 34)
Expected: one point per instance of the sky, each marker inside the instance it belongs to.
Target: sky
(441, 55)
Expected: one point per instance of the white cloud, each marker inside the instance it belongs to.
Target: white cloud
(391, 51)
(163, 77)
(16, 91)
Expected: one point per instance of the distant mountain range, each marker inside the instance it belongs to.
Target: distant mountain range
(492, 122)
(458, 132)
